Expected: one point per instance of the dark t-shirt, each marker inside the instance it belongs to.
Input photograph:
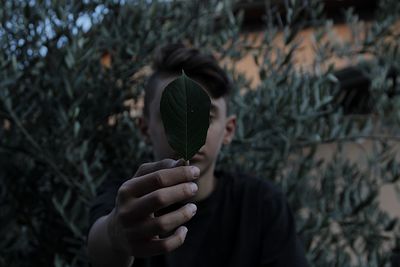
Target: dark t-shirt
(244, 222)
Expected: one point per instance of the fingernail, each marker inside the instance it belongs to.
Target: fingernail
(193, 208)
(195, 171)
(184, 230)
(179, 162)
(194, 187)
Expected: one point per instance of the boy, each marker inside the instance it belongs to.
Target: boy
(170, 214)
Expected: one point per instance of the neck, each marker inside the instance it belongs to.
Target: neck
(206, 183)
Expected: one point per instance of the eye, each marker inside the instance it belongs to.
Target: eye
(212, 117)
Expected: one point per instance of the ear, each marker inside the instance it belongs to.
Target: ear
(230, 128)
(144, 128)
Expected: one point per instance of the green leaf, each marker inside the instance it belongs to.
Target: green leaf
(185, 112)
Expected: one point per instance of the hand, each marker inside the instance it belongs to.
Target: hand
(132, 226)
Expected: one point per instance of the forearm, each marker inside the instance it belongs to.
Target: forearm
(101, 252)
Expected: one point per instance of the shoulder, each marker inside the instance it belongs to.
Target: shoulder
(264, 208)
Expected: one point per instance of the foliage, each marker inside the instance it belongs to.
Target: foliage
(185, 112)
(70, 86)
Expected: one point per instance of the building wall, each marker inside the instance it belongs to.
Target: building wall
(305, 56)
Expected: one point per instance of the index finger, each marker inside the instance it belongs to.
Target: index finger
(148, 183)
(147, 168)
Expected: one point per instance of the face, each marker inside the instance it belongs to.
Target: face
(221, 130)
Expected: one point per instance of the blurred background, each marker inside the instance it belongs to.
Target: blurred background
(317, 100)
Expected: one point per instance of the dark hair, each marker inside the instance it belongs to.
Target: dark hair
(203, 68)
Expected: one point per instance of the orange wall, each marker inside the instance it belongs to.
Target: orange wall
(305, 57)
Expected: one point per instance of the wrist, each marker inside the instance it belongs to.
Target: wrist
(101, 250)
(114, 236)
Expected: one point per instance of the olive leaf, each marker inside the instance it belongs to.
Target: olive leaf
(185, 112)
